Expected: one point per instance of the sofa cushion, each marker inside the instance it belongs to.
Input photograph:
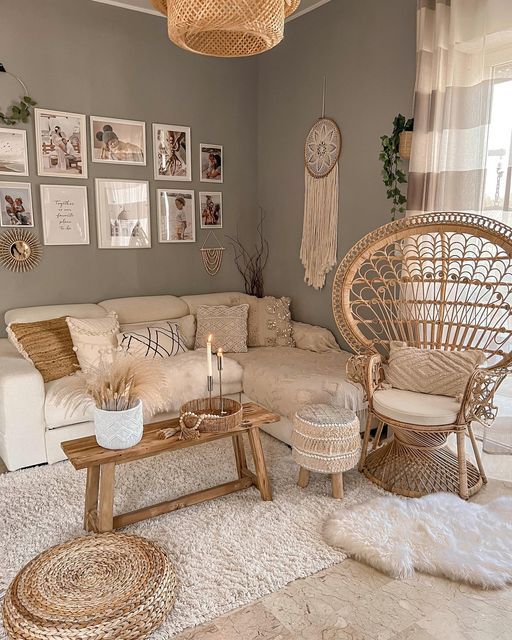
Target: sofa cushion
(155, 340)
(186, 324)
(146, 308)
(271, 323)
(226, 325)
(33, 314)
(94, 338)
(313, 338)
(284, 378)
(47, 344)
(415, 408)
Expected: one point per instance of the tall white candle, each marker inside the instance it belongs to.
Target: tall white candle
(209, 356)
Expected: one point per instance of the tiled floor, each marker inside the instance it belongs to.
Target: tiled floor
(351, 601)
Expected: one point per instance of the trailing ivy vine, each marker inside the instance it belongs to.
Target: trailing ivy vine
(392, 174)
(18, 111)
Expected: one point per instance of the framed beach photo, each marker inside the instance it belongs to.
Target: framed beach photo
(13, 152)
(211, 162)
(61, 143)
(210, 209)
(123, 214)
(65, 214)
(176, 216)
(116, 141)
(16, 204)
(172, 152)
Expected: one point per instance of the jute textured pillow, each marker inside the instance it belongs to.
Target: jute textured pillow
(94, 339)
(226, 325)
(433, 371)
(270, 323)
(48, 345)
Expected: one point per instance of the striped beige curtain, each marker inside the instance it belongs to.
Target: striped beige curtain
(461, 157)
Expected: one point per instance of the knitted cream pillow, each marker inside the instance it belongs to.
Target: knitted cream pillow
(270, 323)
(226, 325)
(94, 339)
(433, 371)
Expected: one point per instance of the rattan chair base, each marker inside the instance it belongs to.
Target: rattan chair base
(104, 587)
(412, 472)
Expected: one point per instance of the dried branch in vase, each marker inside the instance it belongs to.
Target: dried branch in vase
(251, 265)
(117, 385)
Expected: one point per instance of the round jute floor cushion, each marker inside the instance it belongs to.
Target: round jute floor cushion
(110, 586)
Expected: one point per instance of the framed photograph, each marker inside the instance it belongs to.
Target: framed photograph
(211, 162)
(123, 214)
(171, 152)
(13, 152)
(176, 216)
(210, 209)
(16, 204)
(118, 141)
(61, 143)
(65, 214)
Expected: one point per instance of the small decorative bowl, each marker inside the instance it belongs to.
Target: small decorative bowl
(208, 413)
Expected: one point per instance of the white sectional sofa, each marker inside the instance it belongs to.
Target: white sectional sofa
(33, 425)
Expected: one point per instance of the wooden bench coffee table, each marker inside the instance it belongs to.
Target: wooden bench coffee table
(85, 453)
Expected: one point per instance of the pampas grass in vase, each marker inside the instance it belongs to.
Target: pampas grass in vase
(124, 389)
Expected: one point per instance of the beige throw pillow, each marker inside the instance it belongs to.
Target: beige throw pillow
(313, 338)
(433, 371)
(47, 344)
(94, 339)
(226, 325)
(270, 323)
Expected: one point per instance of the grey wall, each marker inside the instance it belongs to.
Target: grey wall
(366, 48)
(97, 59)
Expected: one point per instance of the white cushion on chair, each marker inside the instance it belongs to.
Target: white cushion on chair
(415, 408)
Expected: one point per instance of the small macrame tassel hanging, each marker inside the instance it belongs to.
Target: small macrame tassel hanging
(212, 256)
(318, 252)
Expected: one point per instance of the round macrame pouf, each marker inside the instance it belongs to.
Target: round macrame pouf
(110, 586)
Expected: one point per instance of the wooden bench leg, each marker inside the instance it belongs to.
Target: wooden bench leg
(106, 497)
(91, 498)
(337, 485)
(238, 447)
(303, 480)
(259, 463)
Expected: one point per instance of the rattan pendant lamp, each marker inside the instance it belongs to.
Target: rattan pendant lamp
(226, 28)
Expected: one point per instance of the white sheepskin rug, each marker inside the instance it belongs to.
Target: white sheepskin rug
(439, 534)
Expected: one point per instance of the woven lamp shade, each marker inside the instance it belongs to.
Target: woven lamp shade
(226, 28)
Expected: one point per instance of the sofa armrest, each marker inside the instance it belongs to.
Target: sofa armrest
(313, 338)
(22, 426)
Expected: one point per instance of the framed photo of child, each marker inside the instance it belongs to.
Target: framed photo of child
(16, 204)
(211, 162)
(176, 216)
(61, 143)
(115, 141)
(172, 152)
(210, 209)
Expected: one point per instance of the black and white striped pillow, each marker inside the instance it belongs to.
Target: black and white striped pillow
(157, 340)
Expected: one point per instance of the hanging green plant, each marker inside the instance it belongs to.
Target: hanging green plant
(393, 176)
(18, 111)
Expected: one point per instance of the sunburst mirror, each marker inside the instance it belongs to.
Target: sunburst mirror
(20, 250)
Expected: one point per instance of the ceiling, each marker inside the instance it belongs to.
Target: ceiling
(147, 7)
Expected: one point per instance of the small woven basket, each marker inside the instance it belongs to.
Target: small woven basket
(209, 411)
(405, 144)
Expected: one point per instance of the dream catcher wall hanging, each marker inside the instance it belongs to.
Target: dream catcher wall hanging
(212, 256)
(322, 150)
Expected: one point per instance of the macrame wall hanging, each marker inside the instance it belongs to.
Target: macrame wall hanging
(322, 150)
(212, 256)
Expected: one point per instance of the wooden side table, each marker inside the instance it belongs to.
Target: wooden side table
(85, 453)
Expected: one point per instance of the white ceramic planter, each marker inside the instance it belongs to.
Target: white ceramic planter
(119, 429)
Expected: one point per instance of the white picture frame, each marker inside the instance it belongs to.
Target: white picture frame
(13, 152)
(65, 214)
(16, 207)
(211, 212)
(176, 224)
(211, 166)
(123, 213)
(61, 143)
(172, 152)
(117, 141)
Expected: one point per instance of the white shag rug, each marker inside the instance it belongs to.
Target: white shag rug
(228, 552)
(439, 534)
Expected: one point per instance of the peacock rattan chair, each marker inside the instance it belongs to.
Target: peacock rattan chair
(434, 281)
